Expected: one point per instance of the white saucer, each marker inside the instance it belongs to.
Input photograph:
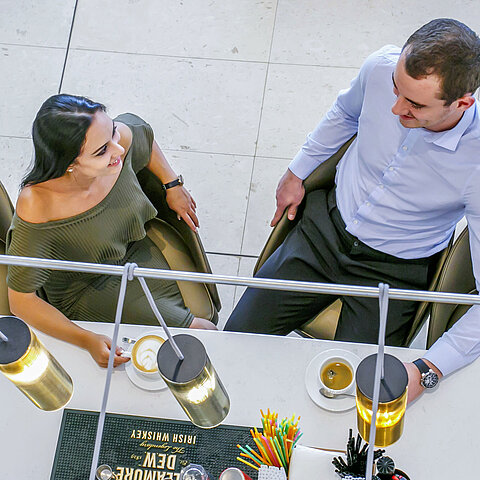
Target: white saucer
(151, 382)
(312, 381)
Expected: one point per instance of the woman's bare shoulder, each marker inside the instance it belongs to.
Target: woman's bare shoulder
(33, 204)
(125, 135)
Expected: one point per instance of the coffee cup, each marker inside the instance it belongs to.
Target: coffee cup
(336, 375)
(144, 354)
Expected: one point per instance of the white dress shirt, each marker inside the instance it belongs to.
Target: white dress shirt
(399, 190)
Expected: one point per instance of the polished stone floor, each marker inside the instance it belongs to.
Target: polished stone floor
(230, 87)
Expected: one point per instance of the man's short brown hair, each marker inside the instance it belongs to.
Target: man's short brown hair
(449, 49)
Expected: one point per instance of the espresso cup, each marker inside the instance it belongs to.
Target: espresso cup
(144, 354)
(336, 375)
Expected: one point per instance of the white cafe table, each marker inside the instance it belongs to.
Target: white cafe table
(440, 439)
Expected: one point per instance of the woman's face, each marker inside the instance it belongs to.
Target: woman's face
(101, 154)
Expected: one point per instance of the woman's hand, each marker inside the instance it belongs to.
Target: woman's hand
(99, 348)
(45, 317)
(178, 198)
(183, 204)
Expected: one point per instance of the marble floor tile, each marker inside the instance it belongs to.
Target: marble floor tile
(226, 29)
(261, 204)
(245, 269)
(15, 158)
(28, 22)
(224, 265)
(202, 105)
(29, 76)
(219, 185)
(322, 32)
(296, 98)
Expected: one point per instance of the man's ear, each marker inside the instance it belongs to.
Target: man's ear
(466, 101)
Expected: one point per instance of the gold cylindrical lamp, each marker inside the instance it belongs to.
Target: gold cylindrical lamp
(193, 381)
(30, 366)
(392, 400)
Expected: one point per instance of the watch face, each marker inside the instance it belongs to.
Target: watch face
(429, 380)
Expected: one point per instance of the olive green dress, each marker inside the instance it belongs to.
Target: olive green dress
(111, 232)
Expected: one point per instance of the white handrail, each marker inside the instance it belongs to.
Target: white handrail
(264, 283)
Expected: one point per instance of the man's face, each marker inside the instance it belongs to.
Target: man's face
(419, 104)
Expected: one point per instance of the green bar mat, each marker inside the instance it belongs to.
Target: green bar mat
(144, 448)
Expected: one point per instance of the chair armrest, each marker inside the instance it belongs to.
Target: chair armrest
(152, 187)
(323, 177)
(456, 276)
(6, 209)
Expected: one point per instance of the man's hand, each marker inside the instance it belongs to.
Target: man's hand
(290, 192)
(415, 389)
(183, 204)
(99, 348)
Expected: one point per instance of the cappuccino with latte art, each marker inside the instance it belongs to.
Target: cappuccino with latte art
(144, 354)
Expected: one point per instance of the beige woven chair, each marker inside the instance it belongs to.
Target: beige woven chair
(182, 249)
(456, 276)
(6, 213)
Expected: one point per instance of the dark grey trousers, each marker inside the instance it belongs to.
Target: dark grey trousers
(319, 249)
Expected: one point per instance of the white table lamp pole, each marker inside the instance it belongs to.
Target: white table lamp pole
(379, 374)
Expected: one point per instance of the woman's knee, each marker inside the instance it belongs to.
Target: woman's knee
(202, 324)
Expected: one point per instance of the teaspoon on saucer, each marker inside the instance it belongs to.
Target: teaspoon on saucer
(128, 341)
(326, 393)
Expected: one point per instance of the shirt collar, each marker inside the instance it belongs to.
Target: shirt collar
(449, 138)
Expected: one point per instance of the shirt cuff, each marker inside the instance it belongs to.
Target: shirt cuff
(446, 358)
(303, 165)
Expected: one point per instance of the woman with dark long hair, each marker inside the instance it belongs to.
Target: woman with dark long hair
(81, 201)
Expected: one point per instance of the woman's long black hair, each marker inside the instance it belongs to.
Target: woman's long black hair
(58, 133)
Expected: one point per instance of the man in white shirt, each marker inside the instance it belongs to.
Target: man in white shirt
(409, 176)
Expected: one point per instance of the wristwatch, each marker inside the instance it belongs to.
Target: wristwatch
(429, 377)
(173, 183)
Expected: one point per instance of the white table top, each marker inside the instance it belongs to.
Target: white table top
(259, 372)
